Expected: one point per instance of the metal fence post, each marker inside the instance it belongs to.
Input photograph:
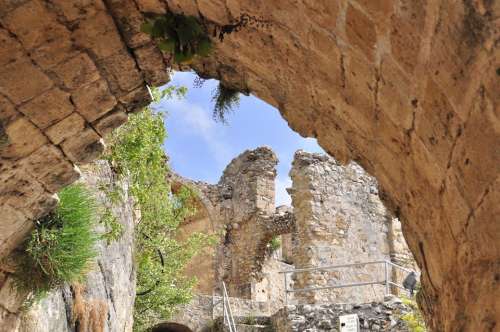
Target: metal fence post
(386, 278)
(224, 313)
(286, 289)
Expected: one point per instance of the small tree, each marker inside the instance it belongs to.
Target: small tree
(136, 150)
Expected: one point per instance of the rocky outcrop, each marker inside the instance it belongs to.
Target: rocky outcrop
(406, 88)
(374, 316)
(105, 300)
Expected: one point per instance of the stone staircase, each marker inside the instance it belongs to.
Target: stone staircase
(246, 324)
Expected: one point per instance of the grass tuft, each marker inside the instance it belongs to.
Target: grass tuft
(225, 100)
(62, 245)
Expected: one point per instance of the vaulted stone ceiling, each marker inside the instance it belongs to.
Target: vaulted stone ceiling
(408, 88)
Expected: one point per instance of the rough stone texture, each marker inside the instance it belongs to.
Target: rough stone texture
(409, 89)
(200, 314)
(59, 62)
(340, 220)
(374, 316)
(241, 206)
(337, 217)
(106, 298)
(271, 287)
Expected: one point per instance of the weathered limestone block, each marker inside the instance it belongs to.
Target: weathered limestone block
(33, 24)
(9, 298)
(98, 34)
(110, 121)
(11, 49)
(150, 62)
(137, 99)
(55, 104)
(83, 148)
(49, 166)
(22, 138)
(361, 32)
(129, 20)
(121, 72)
(67, 127)
(151, 6)
(77, 72)
(94, 100)
(16, 225)
(9, 321)
(21, 80)
(74, 10)
(13, 229)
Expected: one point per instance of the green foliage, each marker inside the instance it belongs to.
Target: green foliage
(136, 151)
(115, 195)
(169, 92)
(250, 319)
(225, 100)
(114, 229)
(184, 36)
(413, 319)
(275, 243)
(62, 246)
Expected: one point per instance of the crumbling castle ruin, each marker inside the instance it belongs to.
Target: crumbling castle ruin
(336, 218)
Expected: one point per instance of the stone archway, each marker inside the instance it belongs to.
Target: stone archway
(171, 327)
(406, 88)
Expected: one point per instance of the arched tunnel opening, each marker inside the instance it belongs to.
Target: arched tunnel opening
(412, 102)
(171, 327)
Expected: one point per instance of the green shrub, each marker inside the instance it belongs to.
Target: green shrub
(62, 246)
(225, 100)
(136, 150)
(113, 228)
(413, 319)
(183, 36)
(275, 243)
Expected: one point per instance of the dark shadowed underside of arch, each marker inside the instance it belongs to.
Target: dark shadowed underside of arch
(171, 327)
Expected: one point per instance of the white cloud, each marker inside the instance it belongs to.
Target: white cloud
(198, 122)
(282, 196)
(310, 145)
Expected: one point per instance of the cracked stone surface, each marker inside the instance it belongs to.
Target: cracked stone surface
(408, 89)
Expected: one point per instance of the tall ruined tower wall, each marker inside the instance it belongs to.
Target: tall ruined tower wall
(340, 220)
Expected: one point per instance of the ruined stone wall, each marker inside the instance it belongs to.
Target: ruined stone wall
(271, 285)
(406, 88)
(383, 315)
(339, 220)
(239, 211)
(202, 312)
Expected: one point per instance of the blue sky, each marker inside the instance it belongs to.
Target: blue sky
(200, 148)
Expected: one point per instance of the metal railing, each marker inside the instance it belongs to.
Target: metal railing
(226, 307)
(387, 279)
